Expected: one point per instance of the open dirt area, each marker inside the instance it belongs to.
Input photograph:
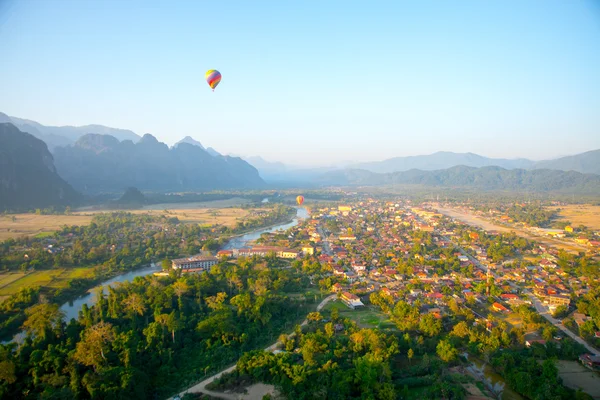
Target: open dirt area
(210, 216)
(579, 214)
(482, 223)
(576, 376)
(15, 225)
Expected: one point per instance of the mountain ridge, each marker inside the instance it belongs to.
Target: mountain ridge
(483, 178)
(102, 163)
(28, 177)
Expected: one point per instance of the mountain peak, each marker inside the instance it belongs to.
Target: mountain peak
(190, 140)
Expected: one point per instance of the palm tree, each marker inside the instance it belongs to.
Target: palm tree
(180, 288)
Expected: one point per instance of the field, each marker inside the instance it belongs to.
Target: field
(365, 317)
(16, 225)
(583, 214)
(204, 216)
(576, 376)
(11, 282)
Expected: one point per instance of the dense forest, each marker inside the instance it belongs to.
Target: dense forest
(111, 244)
(148, 338)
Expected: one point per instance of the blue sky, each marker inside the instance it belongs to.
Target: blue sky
(313, 83)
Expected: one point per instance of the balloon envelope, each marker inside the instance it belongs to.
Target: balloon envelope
(300, 200)
(213, 77)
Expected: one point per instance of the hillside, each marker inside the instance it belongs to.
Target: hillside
(55, 136)
(586, 163)
(101, 163)
(28, 178)
(441, 160)
(485, 178)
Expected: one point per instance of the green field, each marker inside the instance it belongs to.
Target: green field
(10, 283)
(365, 317)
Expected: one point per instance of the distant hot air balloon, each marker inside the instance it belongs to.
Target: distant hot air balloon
(213, 77)
(300, 200)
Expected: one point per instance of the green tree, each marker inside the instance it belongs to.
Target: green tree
(43, 318)
(446, 351)
(91, 349)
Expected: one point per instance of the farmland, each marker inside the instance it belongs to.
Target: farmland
(11, 282)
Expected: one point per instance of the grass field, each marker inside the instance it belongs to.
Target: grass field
(583, 214)
(365, 317)
(16, 225)
(10, 283)
(32, 224)
(576, 376)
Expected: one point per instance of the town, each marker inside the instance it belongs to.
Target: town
(375, 255)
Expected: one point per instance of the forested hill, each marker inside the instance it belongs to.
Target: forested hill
(485, 178)
(28, 178)
(101, 163)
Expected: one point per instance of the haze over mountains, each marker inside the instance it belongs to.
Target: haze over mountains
(102, 163)
(483, 178)
(55, 136)
(28, 178)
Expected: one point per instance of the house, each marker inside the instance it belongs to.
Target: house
(196, 263)
(308, 250)
(336, 288)
(499, 307)
(225, 253)
(351, 300)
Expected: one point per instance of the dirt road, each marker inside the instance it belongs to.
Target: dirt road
(201, 387)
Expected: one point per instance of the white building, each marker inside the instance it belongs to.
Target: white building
(197, 263)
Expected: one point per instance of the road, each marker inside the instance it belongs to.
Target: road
(201, 387)
(543, 310)
(480, 222)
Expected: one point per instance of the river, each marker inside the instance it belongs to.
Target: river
(72, 308)
(240, 242)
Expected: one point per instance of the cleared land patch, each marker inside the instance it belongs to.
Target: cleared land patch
(365, 317)
(16, 225)
(11, 282)
(486, 225)
(576, 376)
(579, 214)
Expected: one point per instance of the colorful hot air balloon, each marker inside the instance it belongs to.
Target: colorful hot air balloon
(300, 200)
(213, 77)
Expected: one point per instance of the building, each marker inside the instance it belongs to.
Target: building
(558, 300)
(198, 263)
(336, 288)
(308, 250)
(499, 307)
(351, 300)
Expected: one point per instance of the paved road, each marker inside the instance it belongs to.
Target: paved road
(543, 310)
(201, 387)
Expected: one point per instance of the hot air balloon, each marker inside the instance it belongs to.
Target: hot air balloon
(300, 200)
(213, 77)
